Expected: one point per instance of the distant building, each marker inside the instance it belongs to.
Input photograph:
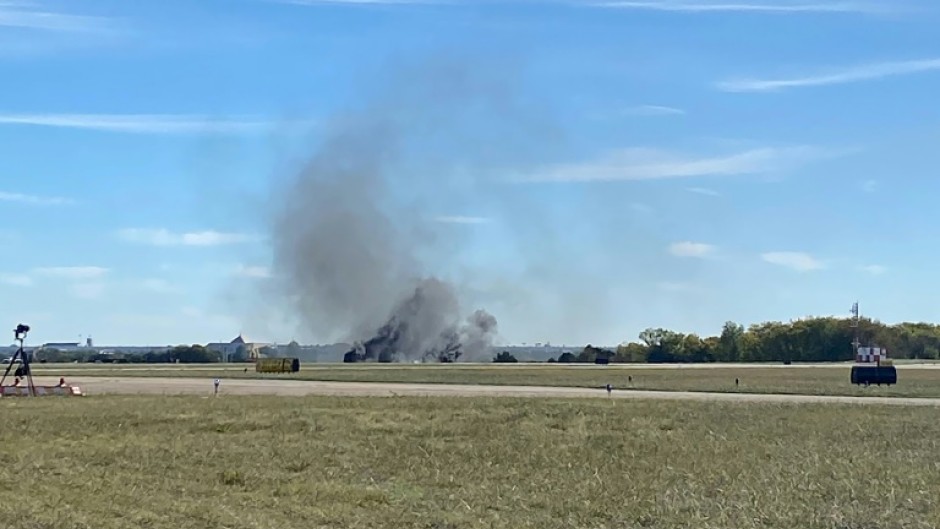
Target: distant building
(62, 346)
(229, 350)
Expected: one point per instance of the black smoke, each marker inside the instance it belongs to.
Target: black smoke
(418, 330)
(353, 227)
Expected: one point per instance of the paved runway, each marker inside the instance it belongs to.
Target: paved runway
(203, 386)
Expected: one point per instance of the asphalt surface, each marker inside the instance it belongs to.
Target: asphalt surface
(204, 386)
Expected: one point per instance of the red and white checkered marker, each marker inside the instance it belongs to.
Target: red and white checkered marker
(871, 355)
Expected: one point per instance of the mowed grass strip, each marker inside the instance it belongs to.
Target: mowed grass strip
(912, 382)
(241, 462)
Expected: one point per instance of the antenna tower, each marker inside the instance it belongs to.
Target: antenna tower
(855, 322)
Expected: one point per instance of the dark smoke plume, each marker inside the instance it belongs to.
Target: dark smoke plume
(423, 327)
(347, 236)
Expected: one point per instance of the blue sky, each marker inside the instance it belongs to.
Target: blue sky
(674, 164)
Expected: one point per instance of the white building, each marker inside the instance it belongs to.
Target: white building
(229, 350)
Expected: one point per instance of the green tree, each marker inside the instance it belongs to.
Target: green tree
(567, 358)
(505, 357)
(729, 343)
(825, 339)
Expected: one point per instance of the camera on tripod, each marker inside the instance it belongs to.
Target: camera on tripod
(20, 331)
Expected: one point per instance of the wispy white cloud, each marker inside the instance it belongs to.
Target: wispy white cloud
(143, 123)
(677, 287)
(691, 249)
(163, 237)
(462, 220)
(799, 261)
(652, 110)
(869, 186)
(362, 2)
(703, 191)
(17, 280)
(752, 7)
(252, 272)
(87, 290)
(852, 74)
(33, 199)
(652, 164)
(73, 272)
(161, 286)
(875, 270)
(28, 15)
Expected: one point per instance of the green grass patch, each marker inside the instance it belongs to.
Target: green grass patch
(912, 382)
(248, 462)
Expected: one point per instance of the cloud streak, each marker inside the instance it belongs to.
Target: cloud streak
(653, 164)
(799, 261)
(864, 72)
(142, 123)
(691, 249)
(17, 280)
(27, 16)
(703, 191)
(163, 237)
(653, 110)
(875, 270)
(73, 272)
(745, 7)
(89, 290)
(362, 2)
(160, 286)
(252, 272)
(33, 199)
(462, 220)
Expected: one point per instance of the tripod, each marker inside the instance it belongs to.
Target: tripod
(24, 370)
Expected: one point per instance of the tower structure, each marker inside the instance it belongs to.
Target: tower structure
(871, 363)
(855, 322)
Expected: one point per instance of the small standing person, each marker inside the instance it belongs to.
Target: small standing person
(609, 389)
(216, 383)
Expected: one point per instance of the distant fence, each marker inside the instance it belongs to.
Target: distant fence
(277, 365)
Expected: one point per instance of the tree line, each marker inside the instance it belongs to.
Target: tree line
(183, 354)
(806, 340)
(824, 339)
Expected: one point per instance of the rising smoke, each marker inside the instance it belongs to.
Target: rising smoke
(347, 236)
(424, 327)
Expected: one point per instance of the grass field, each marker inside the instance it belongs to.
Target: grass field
(830, 380)
(239, 462)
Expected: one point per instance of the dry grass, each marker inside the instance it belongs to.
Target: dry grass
(834, 380)
(241, 462)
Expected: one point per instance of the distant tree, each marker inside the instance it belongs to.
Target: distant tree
(729, 343)
(156, 357)
(567, 358)
(194, 354)
(590, 354)
(505, 357)
(630, 353)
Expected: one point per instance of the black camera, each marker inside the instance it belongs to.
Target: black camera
(21, 331)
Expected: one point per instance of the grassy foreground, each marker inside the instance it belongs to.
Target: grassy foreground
(912, 382)
(239, 462)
